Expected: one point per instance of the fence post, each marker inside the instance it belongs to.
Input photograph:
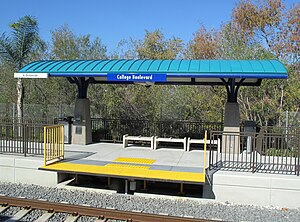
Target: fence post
(205, 141)
(13, 111)
(160, 129)
(45, 145)
(210, 153)
(253, 152)
(287, 119)
(25, 138)
(63, 141)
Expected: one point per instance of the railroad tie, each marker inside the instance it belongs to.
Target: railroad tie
(18, 215)
(100, 220)
(3, 209)
(71, 218)
(44, 217)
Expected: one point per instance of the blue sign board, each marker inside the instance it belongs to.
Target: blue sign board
(132, 77)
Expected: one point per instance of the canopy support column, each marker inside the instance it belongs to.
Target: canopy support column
(231, 117)
(232, 113)
(82, 127)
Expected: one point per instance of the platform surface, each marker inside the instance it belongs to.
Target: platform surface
(138, 162)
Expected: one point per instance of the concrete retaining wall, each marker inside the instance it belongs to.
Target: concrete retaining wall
(258, 189)
(25, 170)
(234, 187)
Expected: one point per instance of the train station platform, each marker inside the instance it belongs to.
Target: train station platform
(135, 162)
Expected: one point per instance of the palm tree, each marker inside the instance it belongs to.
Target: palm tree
(16, 49)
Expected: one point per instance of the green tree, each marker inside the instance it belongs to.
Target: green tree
(271, 31)
(66, 45)
(234, 44)
(271, 23)
(258, 105)
(16, 49)
(204, 45)
(203, 102)
(137, 101)
(292, 91)
(125, 50)
(155, 46)
(7, 84)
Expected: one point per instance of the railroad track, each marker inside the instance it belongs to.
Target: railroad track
(25, 206)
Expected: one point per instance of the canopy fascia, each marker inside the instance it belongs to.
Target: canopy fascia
(178, 72)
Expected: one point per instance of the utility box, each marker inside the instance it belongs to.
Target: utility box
(67, 122)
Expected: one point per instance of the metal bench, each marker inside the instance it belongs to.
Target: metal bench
(127, 138)
(201, 141)
(170, 140)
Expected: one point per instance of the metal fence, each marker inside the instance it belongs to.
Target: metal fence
(114, 129)
(21, 138)
(272, 150)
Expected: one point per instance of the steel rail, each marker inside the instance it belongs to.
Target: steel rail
(102, 213)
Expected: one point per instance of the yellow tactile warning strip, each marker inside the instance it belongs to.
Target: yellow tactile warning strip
(134, 160)
(117, 170)
(127, 166)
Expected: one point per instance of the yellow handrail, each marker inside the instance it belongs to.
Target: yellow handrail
(53, 144)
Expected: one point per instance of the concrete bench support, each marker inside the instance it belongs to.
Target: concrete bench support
(201, 141)
(127, 138)
(169, 140)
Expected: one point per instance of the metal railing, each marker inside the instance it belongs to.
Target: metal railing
(114, 129)
(26, 139)
(204, 152)
(266, 151)
(53, 144)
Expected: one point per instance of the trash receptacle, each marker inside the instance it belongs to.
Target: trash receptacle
(249, 129)
(67, 122)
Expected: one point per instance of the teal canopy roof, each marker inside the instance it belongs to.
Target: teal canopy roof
(211, 72)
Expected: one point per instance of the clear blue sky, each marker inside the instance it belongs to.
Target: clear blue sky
(113, 20)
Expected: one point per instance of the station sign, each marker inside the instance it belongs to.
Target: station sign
(31, 75)
(133, 77)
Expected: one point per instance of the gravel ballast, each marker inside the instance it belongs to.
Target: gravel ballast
(171, 206)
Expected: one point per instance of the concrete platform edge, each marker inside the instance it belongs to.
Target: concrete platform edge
(25, 170)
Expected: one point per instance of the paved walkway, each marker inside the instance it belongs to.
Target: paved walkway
(139, 162)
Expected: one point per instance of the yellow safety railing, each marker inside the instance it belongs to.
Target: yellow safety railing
(54, 144)
(205, 142)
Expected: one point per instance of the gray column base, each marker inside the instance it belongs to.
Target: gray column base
(82, 127)
(230, 138)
